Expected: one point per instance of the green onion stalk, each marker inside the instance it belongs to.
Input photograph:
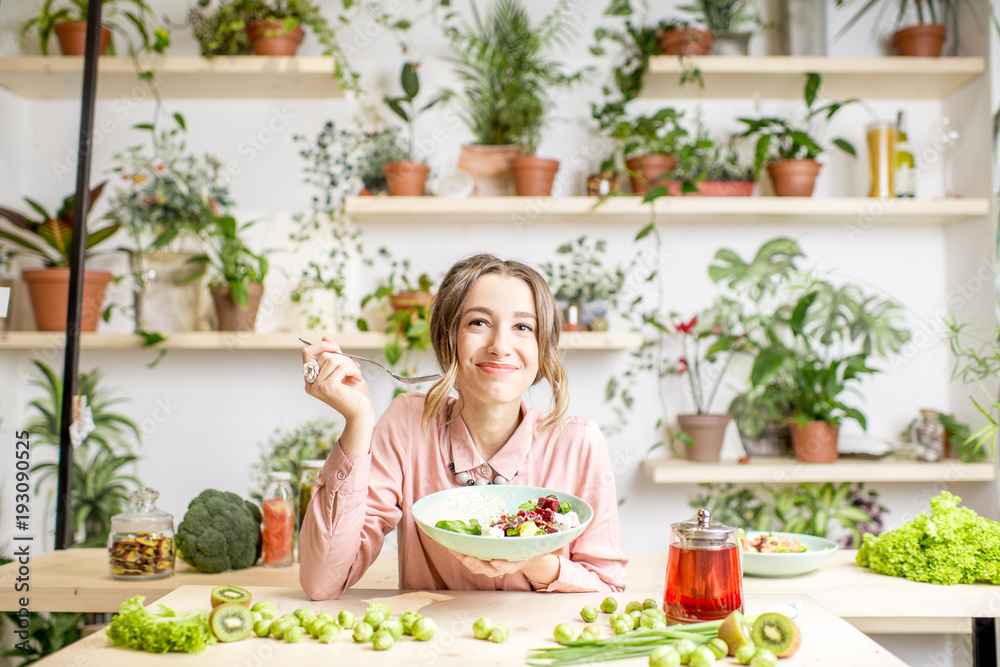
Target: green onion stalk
(619, 647)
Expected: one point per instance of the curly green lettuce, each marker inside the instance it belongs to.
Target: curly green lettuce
(136, 627)
(953, 545)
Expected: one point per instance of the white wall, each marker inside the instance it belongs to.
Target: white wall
(204, 413)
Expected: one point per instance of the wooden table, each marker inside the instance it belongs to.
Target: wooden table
(530, 618)
(78, 580)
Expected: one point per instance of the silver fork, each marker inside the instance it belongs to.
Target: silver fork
(405, 380)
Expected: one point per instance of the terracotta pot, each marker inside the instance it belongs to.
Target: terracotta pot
(707, 432)
(685, 42)
(533, 176)
(815, 443)
(72, 37)
(403, 300)
(925, 40)
(270, 39)
(406, 178)
(490, 167)
(794, 178)
(231, 316)
(715, 189)
(646, 171)
(49, 289)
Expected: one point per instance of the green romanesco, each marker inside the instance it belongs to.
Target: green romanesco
(953, 545)
(136, 627)
(220, 532)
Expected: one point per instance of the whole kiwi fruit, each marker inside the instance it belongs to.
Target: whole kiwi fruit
(735, 631)
(777, 633)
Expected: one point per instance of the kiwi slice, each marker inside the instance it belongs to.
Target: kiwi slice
(224, 594)
(777, 633)
(231, 622)
(735, 631)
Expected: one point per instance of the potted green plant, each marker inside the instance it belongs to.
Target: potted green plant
(923, 39)
(406, 303)
(709, 343)
(286, 448)
(725, 19)
(506, 81)
(100, 485)
(707, 169)
(68, 20)
(788, 149)
(584, 283)
(652, 143)
(237, 280)
(50, 240)
(977, 358)
(166, 200)
(374, 150)
(408, 176)
(263, 27)
(811, 341)
(683, 38)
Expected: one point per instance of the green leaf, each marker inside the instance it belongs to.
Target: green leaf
(411, 84)
(767, 364)
(618, 8)
(180, 121)
(811, 88)
(846, 146)
(644, 232)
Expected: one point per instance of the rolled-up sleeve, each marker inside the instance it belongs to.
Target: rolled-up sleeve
(355, 502)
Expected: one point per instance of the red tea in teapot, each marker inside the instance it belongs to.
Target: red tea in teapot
(702, 584)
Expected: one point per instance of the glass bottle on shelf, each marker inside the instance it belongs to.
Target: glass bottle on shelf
(141, 543)
(310, 471)
(881, 156)
(928, 436)
(278, 509)
(904, 177)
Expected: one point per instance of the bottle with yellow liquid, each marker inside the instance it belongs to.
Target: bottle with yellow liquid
(904, 177)
(882, 158)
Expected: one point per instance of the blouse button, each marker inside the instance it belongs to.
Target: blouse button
(341, 474)
(484, 470)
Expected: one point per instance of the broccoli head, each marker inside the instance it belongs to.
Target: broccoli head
(953, 545)
(219, 532)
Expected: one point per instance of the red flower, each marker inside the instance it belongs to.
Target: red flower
(686, 328)
(683, 366)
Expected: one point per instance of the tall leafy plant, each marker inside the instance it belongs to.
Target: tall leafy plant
(115, 15)
(405, 106)
(101, 481)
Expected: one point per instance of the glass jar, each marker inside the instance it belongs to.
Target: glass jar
(928, 436)
(704, 570)
(278, 509)
(882, 158)
(310, 471)
(141, 543)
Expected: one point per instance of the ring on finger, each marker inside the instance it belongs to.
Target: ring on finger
(310, 370)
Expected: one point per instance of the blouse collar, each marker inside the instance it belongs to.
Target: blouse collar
(505, 462)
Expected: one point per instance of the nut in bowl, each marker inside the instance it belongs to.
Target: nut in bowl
(474, 510)
(772, 554)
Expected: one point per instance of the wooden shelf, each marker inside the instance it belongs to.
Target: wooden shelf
(782, 77)
(219, 340)
(521, 212)
(778, 470)
(233, 77)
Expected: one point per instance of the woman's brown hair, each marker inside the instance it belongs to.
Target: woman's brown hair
(446, 316)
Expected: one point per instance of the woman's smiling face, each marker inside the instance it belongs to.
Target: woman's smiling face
(497, 341)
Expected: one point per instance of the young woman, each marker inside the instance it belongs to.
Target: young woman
(494, 330)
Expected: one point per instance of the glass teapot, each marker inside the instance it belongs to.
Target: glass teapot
(141, 543)
(704, 570)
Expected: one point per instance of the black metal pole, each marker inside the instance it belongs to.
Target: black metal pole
(64, 499)
(984, 642)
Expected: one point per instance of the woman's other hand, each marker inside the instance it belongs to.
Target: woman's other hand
(540, 571)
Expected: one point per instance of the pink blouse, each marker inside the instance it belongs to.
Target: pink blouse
(356, 502)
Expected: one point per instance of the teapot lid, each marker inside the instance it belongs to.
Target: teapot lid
(704, 533)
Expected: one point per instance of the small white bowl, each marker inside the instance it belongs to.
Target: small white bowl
(820, 550)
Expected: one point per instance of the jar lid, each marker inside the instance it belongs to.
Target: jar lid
(312, 463)
(279, 475)
(142, 515)
(703, 533)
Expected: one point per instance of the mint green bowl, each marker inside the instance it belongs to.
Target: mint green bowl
(502, 548)
(820, 550)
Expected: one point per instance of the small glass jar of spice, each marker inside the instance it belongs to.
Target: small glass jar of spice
(141, 543)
